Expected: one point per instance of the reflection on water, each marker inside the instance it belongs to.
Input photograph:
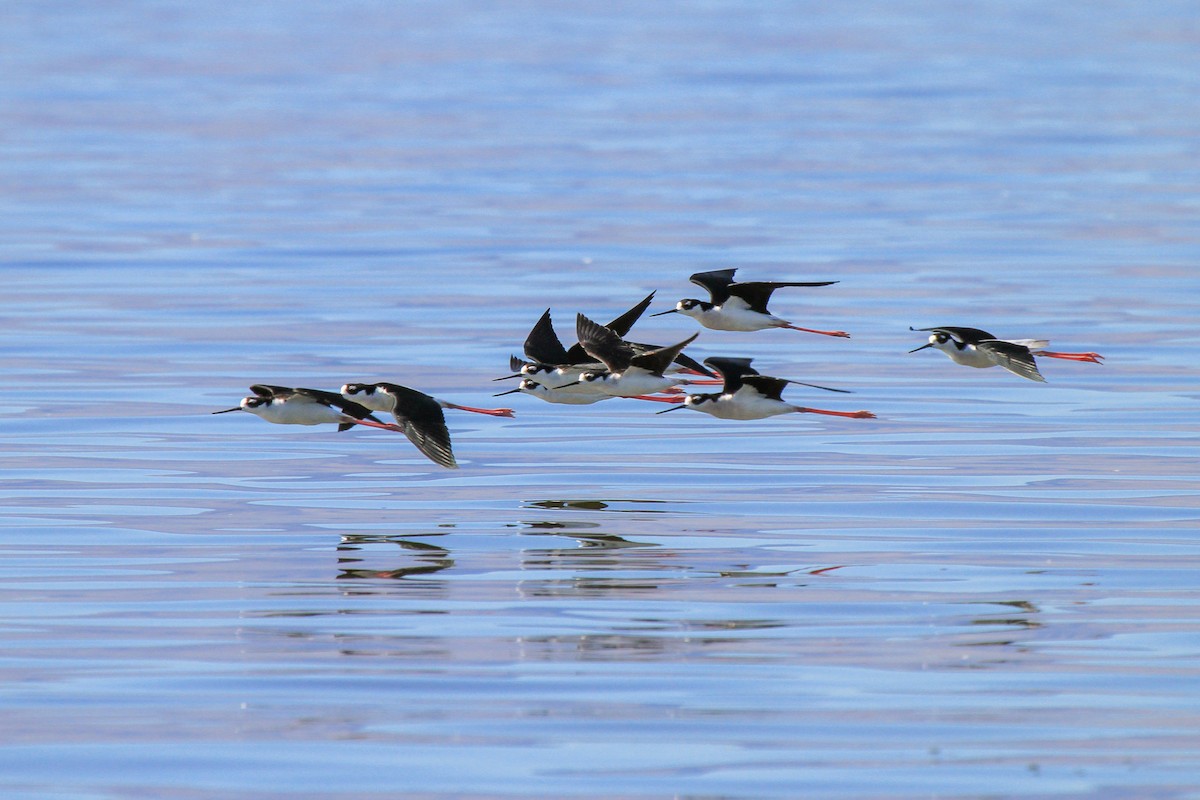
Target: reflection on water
(428, 558)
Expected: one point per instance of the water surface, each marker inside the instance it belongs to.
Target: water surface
(989, 591)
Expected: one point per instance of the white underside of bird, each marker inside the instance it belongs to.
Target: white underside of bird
(733, 315)
(295, 412)
(972, 356)
(744, 404)
(632, 382)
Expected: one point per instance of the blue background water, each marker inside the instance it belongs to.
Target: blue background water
(988, 591)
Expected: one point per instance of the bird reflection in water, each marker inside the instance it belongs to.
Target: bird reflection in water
(425, 558)
(1015, 618)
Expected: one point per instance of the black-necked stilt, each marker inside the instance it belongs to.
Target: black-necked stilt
(628, 373)
(972, 347)
(749, 395)
(734, 306)
(418, 416)
(287, 406)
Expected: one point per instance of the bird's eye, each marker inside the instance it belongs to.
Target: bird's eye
(941, 338)
(687, 305)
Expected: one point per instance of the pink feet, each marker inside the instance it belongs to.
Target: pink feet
(1094, 358)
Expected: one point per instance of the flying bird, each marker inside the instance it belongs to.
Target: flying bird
(284, 405)
(750, 395)
(734, 306)
(973, 347)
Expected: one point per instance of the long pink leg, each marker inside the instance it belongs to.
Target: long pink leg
(386, 426)
(704, 382)
(678, 398)
(851, 414)
(840, 334)
(491, 412)
(1094, 358)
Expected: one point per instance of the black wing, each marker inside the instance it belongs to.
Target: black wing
(716, 283)
(684, 360)
(410, 401)
(657, 361)
(758, 293)
(267, 390)
(601, 343)
(543, 346)
(621, 325)
(577, 355)
(732, 370)
(1016, 358)
(421, 419)
(767, 386)
(432, 438)
(514, 365)
(960, 335)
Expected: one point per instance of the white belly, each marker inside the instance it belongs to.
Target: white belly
(302, 414)
(970, 357)
(571, 395)
(745, 410)
(631, 383)
(738, 319)
(559, 378)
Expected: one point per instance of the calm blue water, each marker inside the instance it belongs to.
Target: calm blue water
(990, 591)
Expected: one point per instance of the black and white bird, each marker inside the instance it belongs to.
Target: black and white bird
(285, 405)
(748, 395)
(418, 415)
(973, 347)
(627, 372)
(734, 306)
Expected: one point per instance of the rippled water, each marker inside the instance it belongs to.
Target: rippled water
(989, 591)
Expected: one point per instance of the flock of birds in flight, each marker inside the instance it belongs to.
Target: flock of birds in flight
(603, 365)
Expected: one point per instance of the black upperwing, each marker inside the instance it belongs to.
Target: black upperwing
(731, 370)
(621, 325)
(716, 283)
(577, 354)
(962, 336)
(603, 344)
(267, 390)
(757, 294)
(543, 346)
(767, 386)
(657, 361)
